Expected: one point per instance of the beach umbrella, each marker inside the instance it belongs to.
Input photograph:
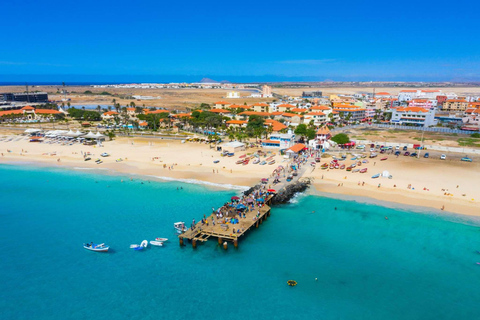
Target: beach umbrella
(249, 200)
(260, 200)
(235, 198)
(241, 207)
(264, 180)
(271, 190)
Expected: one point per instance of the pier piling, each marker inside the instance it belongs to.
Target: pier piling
(225, 245)
(194, 243)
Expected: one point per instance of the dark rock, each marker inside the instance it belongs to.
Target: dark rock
(256, 187)
(284, 195)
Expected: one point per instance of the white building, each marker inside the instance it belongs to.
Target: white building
(233, 95)
(280, 140)
(413, 116)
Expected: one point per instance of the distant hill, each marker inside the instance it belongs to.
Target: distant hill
(208, 80)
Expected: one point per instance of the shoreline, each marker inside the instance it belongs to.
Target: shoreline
(194, 163)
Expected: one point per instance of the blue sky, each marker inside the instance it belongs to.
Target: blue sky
(246, 40)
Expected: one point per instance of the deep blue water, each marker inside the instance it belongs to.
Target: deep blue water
(411, 266)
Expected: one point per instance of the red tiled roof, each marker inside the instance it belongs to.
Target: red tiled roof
(47, 111)
(3, 113)
(28, 108)
(261, 105)
(219, 111)
(297, 148)
(323, 130)
(276, 125)
(222, 102)
(236, 122)
(271, 141)
(110, 113)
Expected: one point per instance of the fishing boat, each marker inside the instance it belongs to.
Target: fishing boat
(271, 162)
(256, 161)
(268, 159)
(263, 163)
(87, 159)
(231, 154)
(98, 161)
(354, 158)
(216, 161)
(376, 176)
(342, 167)
(355, 170)
(383, 159)
(156, 243)
(96, 247)
(239, 161)
(245, 162)
(349, 168)
(324, 166)
(317, 159)
(161, 239)
(180, 227)
(289, 178)
(363, 170)
(119, 160)
(242, 156)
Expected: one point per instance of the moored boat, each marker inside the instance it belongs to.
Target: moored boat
(180, 227)
(156, 243)
(161, 239)
(96, 247)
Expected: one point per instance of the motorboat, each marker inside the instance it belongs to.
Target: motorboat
(96, 247)
(156, 243)
(180, 227)
(289, 178)
(140, 246)
(317, 159)
(119, 160)
(161, 239)
(98, 161)
(324, 166)
(216, 161)
(87, 159)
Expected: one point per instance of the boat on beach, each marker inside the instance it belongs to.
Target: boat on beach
(256, 161)
(376, 176)
(263, 163)
(383, 159)
(96, 247)
(363, 170)
(271, 162)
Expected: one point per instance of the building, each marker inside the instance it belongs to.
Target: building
(261, 107)
(292, 118)
(311, 94)
(233, 95)
(455, 105)
(407, 95)
(415, 116)
(275, 125)
(110, 115)
(319, 118)
(25, 97)
(266, 91)
(237, 123)
(221, 105)
(285, 107)
(471, 119)
(423, 103)
(280, 140)
(352, 113)
(30, 113)
(295, 150)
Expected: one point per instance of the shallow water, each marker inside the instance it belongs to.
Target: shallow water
(411, 266)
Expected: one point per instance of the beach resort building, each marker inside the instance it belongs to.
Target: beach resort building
(24, 97)
(30, 113)
(109, 115)
(319, 118)
(415, 116)
(280, 140)
(455, 105)
(237, 123)
(295, 150)
(221, 105)
(275, 125)
(423, 103)
(261, 107)
(353, 113)
(285, 107)
(471, 119)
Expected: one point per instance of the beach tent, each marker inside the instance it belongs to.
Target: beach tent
(99, 136)
(33, 130)
(78, 133)
(90, 135)
(234, 145)
(385, 174)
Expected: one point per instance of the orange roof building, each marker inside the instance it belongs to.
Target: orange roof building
(275, 125)
(295, 149)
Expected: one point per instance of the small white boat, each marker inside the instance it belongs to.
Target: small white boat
(161, 239)
(96, 247)
(156, 243)
(180, 227)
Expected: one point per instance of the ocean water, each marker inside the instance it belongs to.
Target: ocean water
(349, 261)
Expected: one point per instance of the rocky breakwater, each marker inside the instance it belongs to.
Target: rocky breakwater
(286, 193)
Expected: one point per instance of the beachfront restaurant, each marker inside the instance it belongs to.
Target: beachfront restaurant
(295, 150)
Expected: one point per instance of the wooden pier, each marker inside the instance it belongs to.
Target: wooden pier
(225, 232)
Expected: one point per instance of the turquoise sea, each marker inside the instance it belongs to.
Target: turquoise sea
(411, 266)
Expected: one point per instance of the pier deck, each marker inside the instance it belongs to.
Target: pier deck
(225, 231)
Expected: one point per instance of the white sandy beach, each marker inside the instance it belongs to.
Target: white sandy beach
(433, 182)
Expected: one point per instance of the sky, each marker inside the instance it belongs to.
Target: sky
(148, 41)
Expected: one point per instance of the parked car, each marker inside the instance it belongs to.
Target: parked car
(443, 157)
(406, 154)
(361, 146)
(372, 150)
(397, 153)
(414, 154)
(426, 155)
(405, 148)
(466, 159)
(397, 148)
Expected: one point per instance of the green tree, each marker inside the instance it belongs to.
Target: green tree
(301, 130)
(341, 138)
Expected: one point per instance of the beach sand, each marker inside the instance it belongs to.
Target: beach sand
(433, 182)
